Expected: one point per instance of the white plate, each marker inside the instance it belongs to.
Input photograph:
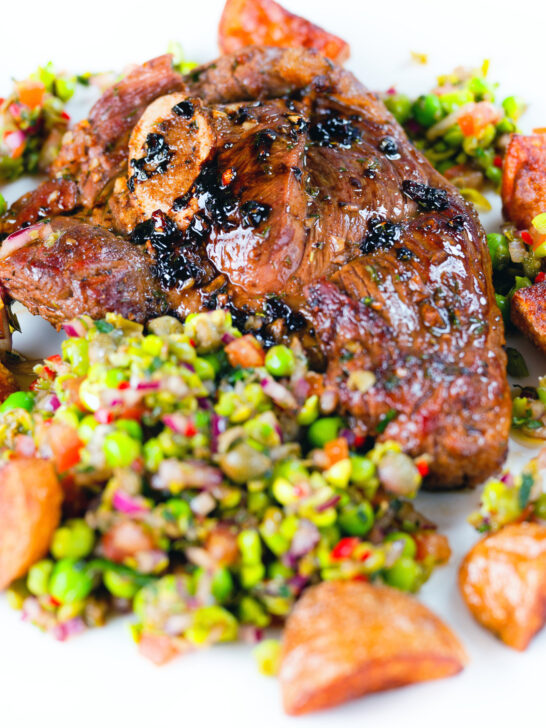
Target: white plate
(98, 679)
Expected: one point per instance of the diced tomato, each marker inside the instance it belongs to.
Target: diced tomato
(133, 412)
(433, 546)
(359, 440)
(540, 276)
(104, 416)
(497, 161)
(190, 430)
(336, 450)
(344, 548)
(65, 116)
(31, 93)
(525, 235)
(71, 387)
(245, 352)
(423, 467)
(478, 116)
(55, 359)
(64, 443)
(124, 385)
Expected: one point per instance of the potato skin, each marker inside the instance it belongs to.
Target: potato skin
(265, 22)
(528, 313)
(524, 179)
(30, 510)
(503, 582)
(345, 639)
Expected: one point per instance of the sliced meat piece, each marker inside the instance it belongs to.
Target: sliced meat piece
(53, 197)
(503, 582)
(96, 152)
(528, 313)
(265, 22)
(524, 179)
(30, 510)
(68, 268)
(346, 639)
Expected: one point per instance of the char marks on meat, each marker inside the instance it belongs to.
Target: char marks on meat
(273, 183)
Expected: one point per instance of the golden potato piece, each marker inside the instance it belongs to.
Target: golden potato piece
(265, 22)
(503, 582)
(345, 639)
(528, 313)
(30, 510)
(7, 383)
(524, 179)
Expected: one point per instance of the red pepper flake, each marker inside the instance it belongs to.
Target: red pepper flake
(191, 430)
(497, 161)
(34, 385)
(541, 276)
(55, 359)
(192, 343)
(344, 548)
(360, 577)
(359, 440)
(54, 602)
(423, 467)
(65, 116)
(123, 385)
(104, 416)
(526, 237)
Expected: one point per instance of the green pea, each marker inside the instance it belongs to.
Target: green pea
(357, 520)
(400, 107)
(410, 547)
(280, 361)
(454, 138)
(503, 302)
(87, 427)
(38, 577)
(494, 174)
(324, 430)
(250, 546)
(120, 449)
(3, 205)
(70, 581)
(222, 585)
(76, 351)
(404, 574)
(513, 107)
(498, 249)
(479, 87)
(362, 469)
(64, 88)
(251, 574)
(114, 377)
(74, 540)
(427, 110)
(18, 400)
(119, 585)
(153, 454)
(204, 369)
(131, 427)
(212, 619)
(252, 612)
(505, 126)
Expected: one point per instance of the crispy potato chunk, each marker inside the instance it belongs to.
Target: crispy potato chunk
(528, 313)
(503, 582)
(7, 383)
(30, 510)
(265, 22)
(345, 639)
(524, 179)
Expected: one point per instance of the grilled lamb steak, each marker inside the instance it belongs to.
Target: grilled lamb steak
(272, 182)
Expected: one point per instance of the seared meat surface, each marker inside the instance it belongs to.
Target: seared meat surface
(274, 183)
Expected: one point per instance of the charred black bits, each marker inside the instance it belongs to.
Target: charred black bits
(428, 198)
(355, 182)
(456, 222)
(389, 147)
(382, 234)
(253, 213)
(158, 155)
(296, 171)
(334, 130)
(275, 309)
(185, 109)
(263, 141)
(404, 253)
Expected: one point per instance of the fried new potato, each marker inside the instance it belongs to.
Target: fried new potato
(265, 22)
(503, 582)
(30, 510)
(528, 313)
(524, 179)
(7, 383)
(346, 638)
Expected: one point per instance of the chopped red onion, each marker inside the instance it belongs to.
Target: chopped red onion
(507, 479)
(250, 634)
(330, 503)
(14, 139)
(227, 338)
(349, 435)
(126, 503)
(305, 539)
(301, 388)
(75, 329)
(188, 366)
(147, 386)
(51, 403)
(279, 394)
(176, 422)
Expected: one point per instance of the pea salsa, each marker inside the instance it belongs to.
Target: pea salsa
(204, 488)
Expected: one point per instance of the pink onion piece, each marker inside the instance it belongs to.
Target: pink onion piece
(305, 539)
(279, 394)
(330, 503)
(75, 329)
(14, 139)
(126, 503)
(52, 403)
(227, 338)
(176, 422)
(188, 366)
(21, 238)
(507, 479)
(301, 388)
(148, 386)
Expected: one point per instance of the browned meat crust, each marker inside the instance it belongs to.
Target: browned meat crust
(74, 268)
(311, 205)
(528, 313)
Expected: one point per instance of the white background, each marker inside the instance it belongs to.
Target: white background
(98, 679)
